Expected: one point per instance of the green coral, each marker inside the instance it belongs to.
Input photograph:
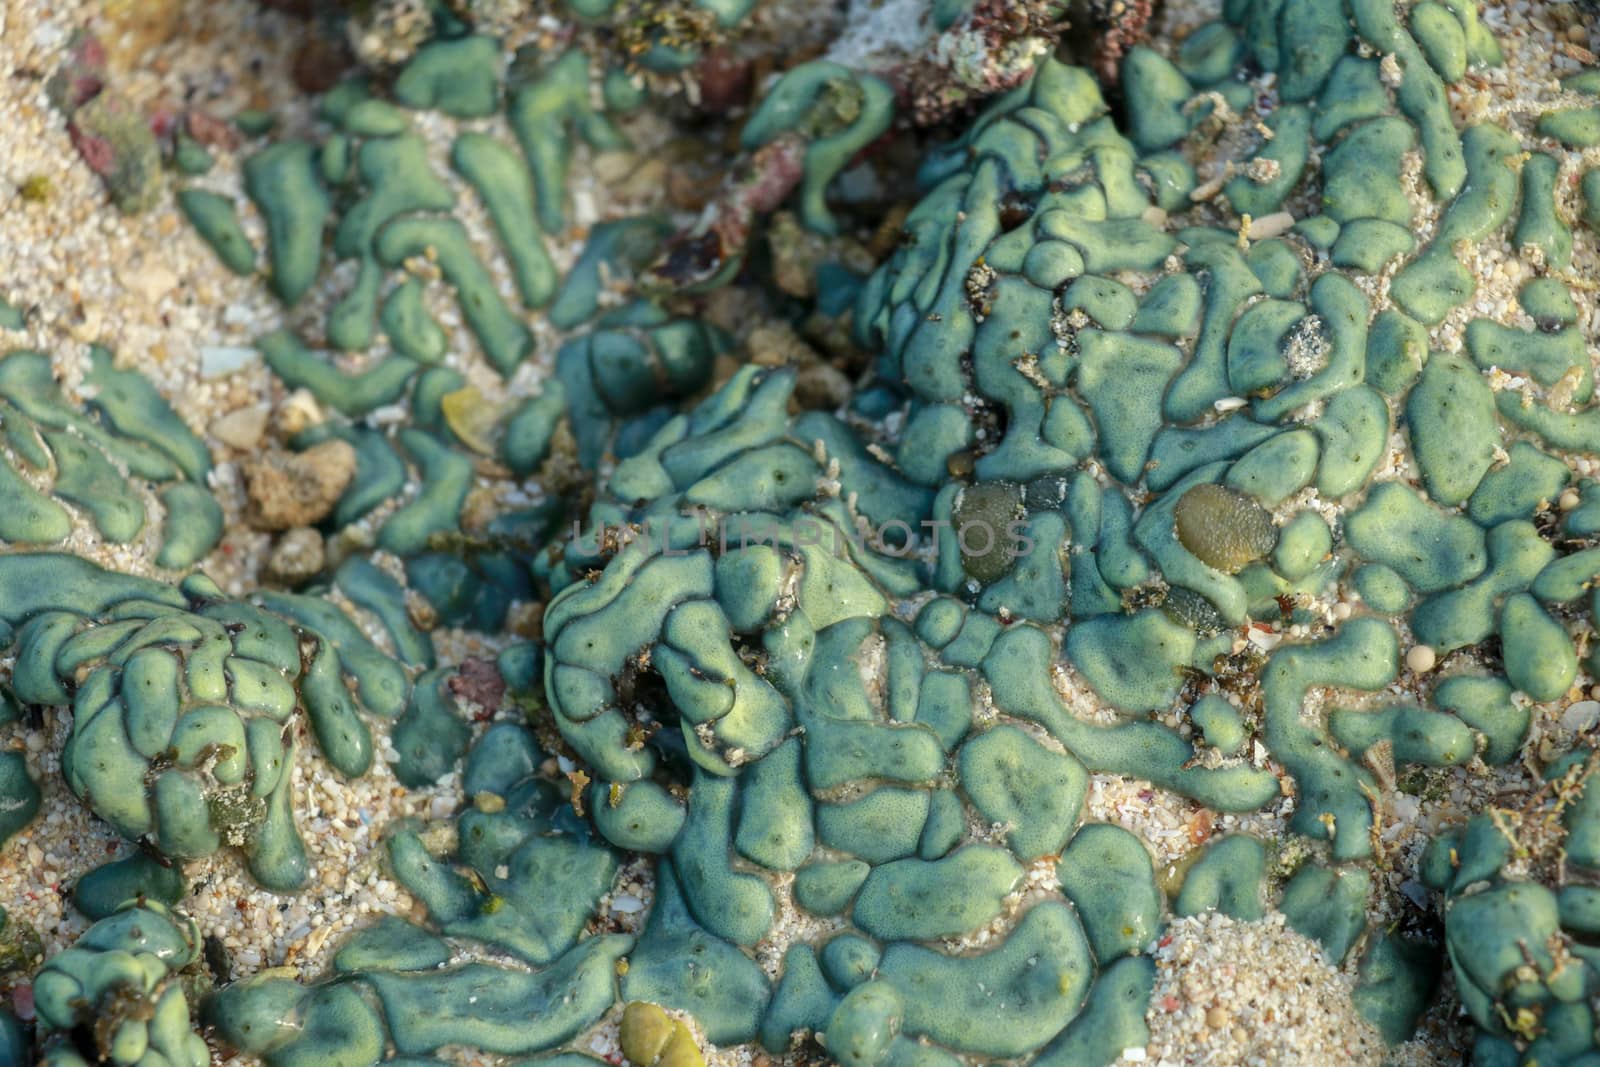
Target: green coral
(118, 994)
(185, 703)
(779, 644)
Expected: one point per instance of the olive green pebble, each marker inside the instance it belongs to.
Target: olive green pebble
(983, 520)
(650, 1037)
(1222, 527)
(215, 219)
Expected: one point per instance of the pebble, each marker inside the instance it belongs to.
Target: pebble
(1274, 225)
(298, 557)
(219, 361)
(1569, 500)
(241, 428)
(1218, 1017)
(298, 412)
(1421, 658)
(290, 489)
(1581, 716)
(150, 282)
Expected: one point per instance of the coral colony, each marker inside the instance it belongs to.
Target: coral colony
(1187, 443)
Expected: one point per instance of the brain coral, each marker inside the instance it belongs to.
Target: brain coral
(1201, 446)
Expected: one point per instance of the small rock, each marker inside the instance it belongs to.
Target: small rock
(298, 412)
(210, 130)
(298, 557)
(724, 81)
(821, 387)
(1218, 1017)
(150, 282)
(1421, 658)
(241, 428)
(81, 76)
(1581, 716)
(322, 59)
(298, 488)
(479, 681)
(115, 140)
(218, 361)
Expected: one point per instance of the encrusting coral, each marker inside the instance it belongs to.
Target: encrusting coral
(1194, 449)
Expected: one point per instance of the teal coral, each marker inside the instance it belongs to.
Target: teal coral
(1154, 461)
(99, 457)
(122, 989)
(185, 702)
